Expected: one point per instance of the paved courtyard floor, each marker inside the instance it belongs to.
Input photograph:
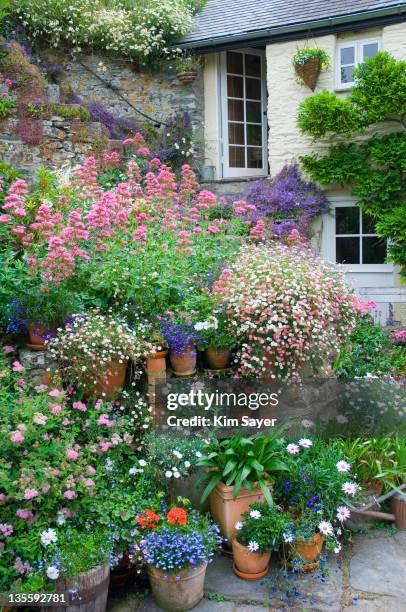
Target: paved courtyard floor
(370, 576)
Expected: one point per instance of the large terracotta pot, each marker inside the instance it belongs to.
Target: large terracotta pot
(227, 511)
(177, 591)
(111, 382)
(37, 334)
(84, 593)
(183, 364)
(217, 359)
(249, 565)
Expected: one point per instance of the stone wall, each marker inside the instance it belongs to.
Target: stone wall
(158, 95)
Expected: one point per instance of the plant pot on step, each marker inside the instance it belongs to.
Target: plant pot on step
(249, 565)
(112, 381)
(217, 359)
(227, 511)
(156, 365)
(187, 76)
(177, 591)
(309, 71)
(38, 334)
(88, 591)
(183, 364)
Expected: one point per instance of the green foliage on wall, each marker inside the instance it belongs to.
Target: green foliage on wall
(374, 166)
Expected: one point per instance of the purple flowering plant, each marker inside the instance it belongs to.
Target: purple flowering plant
(180, 334)
(288, 200)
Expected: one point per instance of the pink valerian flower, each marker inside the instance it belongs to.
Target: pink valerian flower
(85, 179)
(91, 470)
(5, 218)
(111, 159)
(69, 494)
(25, 515)
(30, 493)
(17, 367)
(363, 307)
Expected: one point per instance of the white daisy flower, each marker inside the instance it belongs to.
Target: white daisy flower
(305, 443)
(343, 513)
(255, 514)
(350, 488)
(239, 525)
(326, 528)
(253, 546)
(343, 466)
(48, 536)
(52, 572)
(293, 449)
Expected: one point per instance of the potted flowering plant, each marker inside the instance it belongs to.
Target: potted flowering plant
(308, 64)
(181, 338)
(257, 534)
(177, 548)
(216, 335)
(318, 494)
(94, 349)
(187, 68)
(239, 472)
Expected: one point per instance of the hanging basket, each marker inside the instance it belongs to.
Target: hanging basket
(187, 76)
(309, 71)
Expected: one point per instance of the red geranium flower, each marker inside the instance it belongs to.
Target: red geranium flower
(177, 516)
(148, 518)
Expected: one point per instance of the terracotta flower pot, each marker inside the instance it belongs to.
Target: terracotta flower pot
(217, 359)
(177, 591)
(308, 550)
(227, 511)
(37, 334)
(111, 382)
(249, 565)
(156, 361)
(183, 364)
(187, 76)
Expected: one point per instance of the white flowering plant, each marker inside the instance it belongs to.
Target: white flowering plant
(173, 457)
(140, 29)
(261, 527)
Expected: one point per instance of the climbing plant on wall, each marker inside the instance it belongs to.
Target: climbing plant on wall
(371, 161)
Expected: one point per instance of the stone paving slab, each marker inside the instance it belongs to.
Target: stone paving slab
(379, 564)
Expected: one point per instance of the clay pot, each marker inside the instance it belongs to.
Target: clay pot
(309, 71)
(112, 381)
(88, 591)
(183, 364)
(227, 511)
(37, 334)
(308, 550)
(187, 76)
(156, 366)
(249, 565)
(217, 359)
(179, 590)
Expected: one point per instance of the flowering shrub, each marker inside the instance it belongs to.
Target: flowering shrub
(296, 310)
(287, 201)
(92, 342)
(261, 527)
(179, 540)
(52, 467)
(141, 30)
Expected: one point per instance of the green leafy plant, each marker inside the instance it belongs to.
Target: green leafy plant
(6, 104)
(302, 55)
(243, 462)
(187, 63)
(263, 525)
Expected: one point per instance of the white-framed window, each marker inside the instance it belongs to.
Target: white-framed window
(351, 53)
(243, 113)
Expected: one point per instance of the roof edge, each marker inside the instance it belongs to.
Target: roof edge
(290, 30)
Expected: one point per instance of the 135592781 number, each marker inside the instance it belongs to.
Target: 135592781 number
(35, 598)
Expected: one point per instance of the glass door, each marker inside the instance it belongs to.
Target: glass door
(244, 114)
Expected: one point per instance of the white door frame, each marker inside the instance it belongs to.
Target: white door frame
(228, 172)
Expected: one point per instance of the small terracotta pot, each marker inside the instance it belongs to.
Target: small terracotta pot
(178, 590)
(156, 362)
(308, 550)
(183, 364)
(227, 511)
(111, 382)
(187, 76)
(37, 334)
(217, 359)
(249, 565)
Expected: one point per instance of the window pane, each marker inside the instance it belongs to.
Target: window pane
(347, 55)
(254, 135)
(236, 110)
(373, 250)
(234, 62)
(254, 112)
(253, 65)
(347, 220)
(236, 133)
(253, 89)
(254, 156)
(347, 74)
(369, 50)
(235, 87)
(236, 157)
(347, 250)
(368, 224)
